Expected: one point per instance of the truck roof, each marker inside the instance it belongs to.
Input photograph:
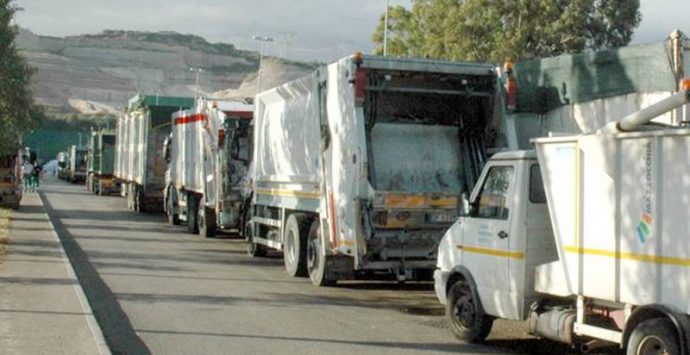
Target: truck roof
(158, 100)
(515, 155)
(426, 65)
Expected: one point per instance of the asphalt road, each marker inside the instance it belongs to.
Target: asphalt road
(156, 289)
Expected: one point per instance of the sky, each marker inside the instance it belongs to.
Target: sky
(321, 30)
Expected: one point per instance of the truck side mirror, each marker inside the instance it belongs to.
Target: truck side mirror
(466, 208)
(166, 149)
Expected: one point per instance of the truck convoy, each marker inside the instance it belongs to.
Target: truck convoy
(139, 166)
(77, 164)
(359, 166)
(208, 154)
(587, 239)
(99, 164)
(11, 179)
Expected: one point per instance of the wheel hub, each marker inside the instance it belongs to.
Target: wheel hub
(652, 345)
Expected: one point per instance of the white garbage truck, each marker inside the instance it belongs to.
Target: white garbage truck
(139, 164)
(359, 166)
(208, 153)
(587, 238)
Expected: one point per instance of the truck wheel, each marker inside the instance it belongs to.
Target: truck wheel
(136, 199)
(192, 225)
(316, 258)
(654, 336)
(207, 222)
(254, 250)
(171, 209)
(130, 197)
(465, 314)
(295, 245)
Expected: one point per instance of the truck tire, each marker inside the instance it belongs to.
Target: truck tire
(136, 198)
(316, 258)
(654, 336)
(130, 197)
(295, 245)
(467, 319)
(253, 249)
(192, 210)
(171, 209)
(207, 221)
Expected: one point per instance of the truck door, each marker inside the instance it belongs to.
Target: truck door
(486, 238)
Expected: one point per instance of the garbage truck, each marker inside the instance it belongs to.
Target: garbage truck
(208, 155)
(77, 163)
(63, 165)
(357, 167)
(585, 237)
(11, 178)
(139, 165)
(99, 162)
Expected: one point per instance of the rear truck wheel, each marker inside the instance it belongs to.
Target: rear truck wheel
(316, 257)
(99, 188)
(207, 221)
(295, 245)
(192, 210)
(654, 336)
(137, 199)
(171, 210)
(130, 197)
(253, 249)
(467, 319)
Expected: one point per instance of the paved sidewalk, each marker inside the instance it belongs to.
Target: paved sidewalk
(43, 309)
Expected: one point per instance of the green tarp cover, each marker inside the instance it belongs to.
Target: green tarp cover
(161, 107)
(548, 83)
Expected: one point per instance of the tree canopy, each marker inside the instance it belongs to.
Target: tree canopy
(495, 30)
(18, 113)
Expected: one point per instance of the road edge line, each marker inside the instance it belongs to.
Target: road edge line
(95, 329)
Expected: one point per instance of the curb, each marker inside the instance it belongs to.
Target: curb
(96, 332)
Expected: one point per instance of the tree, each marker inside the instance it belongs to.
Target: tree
(18, 113)
(494, 30)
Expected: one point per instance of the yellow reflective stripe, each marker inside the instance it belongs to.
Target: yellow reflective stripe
(656, 259)
(288, 193)
(493, 252)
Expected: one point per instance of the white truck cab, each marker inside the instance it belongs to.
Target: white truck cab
(505, 231)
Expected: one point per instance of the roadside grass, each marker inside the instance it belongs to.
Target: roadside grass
(4, 229)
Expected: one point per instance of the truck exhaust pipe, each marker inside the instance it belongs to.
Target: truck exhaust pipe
(593, 345)
(636, 119)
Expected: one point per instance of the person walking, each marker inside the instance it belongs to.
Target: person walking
(37, 175)
(27, 171)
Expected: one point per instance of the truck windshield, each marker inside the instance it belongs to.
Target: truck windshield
(422, 125)
(79, 161)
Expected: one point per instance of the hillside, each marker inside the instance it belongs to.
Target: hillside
(99, 73)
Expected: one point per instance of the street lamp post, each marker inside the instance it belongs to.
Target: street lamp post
(385, 30)
(196, 85)
(262, 39)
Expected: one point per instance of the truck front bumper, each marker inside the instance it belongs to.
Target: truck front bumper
(440, 281)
